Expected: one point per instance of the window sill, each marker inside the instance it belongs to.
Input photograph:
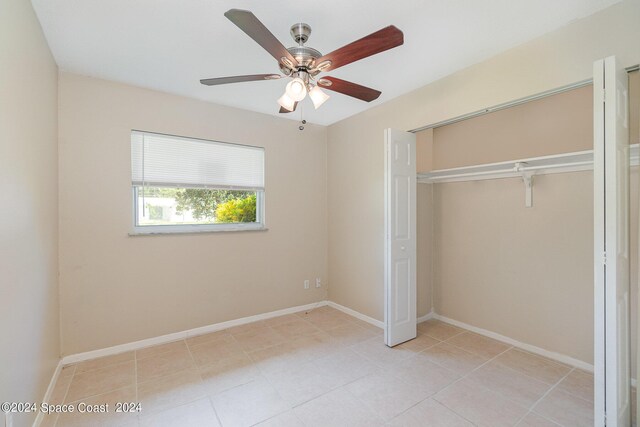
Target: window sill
(157, 232)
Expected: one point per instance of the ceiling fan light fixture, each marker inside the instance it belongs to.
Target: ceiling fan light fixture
(318, 97)
(286, 102)
(296, 89)
(303, 63)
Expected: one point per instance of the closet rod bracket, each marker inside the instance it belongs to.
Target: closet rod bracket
(527, 178)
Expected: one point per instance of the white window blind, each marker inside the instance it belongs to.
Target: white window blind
(171, 161)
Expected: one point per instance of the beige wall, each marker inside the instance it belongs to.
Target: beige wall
(424, 249)
(424, 151)
(526, 273)
(561, 123)
(355, 145)
(117, 289)
(29, 315)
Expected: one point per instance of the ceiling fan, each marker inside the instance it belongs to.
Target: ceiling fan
(303, 64)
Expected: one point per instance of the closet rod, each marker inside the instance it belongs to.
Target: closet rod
(507, 173)
(559, 163)
(526, 169)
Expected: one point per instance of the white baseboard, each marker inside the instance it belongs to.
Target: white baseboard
(356, 314)
(163, 339)
(567, 360)
(368, 319)
(426, 317)
(47, 394)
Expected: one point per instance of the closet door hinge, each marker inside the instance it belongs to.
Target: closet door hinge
(604, 258)
(604, 96)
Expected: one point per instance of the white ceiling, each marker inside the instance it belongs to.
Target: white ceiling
(169, 45)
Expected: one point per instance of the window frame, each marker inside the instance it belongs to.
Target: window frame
(136, 229)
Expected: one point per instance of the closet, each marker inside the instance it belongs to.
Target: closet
(522, 272)
(505, 220)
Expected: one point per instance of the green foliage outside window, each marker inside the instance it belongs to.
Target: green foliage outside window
(237, 210)
(203, 202)
(226, 206)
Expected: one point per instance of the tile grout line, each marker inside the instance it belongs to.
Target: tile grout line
(197, 367)
(432, 394)
(100, 394)
(553, 387)
(104, 392)
(64, 398)
(460, 379)
(348, 347)
(538, 415)
(263, 376)
(307, 361)
(356, 379)
(412, 356)
(173, 373)
(509, 368)
(344, 385)
(439, 341)
(571, 368)
(388, 370)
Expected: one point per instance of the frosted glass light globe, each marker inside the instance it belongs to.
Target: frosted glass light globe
(318, 97)
(286, 102)
(296, 89)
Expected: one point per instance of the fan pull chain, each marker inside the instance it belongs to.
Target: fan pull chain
(302, 120)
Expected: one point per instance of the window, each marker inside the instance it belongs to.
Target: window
(190, 185)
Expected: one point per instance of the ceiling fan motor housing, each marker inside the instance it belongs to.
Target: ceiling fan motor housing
(304, 55)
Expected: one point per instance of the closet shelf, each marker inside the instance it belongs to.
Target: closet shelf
(523, 168)
(558, 163)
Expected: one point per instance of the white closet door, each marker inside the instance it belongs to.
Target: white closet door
(611, 243)
(400, 237)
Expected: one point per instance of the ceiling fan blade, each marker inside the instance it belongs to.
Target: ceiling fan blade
(238, 79)
(252, 26)
(284, 110)
(347, 88)
(384, 39)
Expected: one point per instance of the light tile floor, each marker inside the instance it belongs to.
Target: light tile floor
(325, 368)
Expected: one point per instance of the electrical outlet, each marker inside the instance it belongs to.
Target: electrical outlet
(306, 284)
(318, 283)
